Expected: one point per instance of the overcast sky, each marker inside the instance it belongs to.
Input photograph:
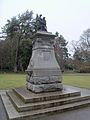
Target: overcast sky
(69, 17)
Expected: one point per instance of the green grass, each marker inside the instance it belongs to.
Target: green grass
(11, 80)
(79, 80)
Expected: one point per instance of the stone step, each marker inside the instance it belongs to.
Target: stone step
(28, 96)
(21, 106)
(13, 114)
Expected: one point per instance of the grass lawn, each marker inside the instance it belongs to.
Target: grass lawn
(10, 80)
(78, 79)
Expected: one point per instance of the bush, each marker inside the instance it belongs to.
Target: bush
(84, 70)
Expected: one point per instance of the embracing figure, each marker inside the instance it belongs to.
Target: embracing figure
(41, 23)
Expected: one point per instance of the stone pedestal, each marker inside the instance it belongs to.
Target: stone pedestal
(43, 72)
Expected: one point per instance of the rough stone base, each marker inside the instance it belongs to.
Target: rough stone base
(44, 87)
(44, 79)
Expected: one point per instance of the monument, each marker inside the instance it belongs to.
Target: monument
(43, 72)
(44, 93)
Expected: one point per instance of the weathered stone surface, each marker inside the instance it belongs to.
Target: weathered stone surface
(29, 96)
(42, 80)
(43, 68)
(16, 109)
(44, 87)
(21, 106)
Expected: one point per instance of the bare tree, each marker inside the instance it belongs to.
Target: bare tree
(82, 52)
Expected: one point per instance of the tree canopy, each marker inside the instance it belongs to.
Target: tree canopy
(18, 31)
(82, 52)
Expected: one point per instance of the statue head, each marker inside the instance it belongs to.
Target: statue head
(40, 15)
(43, 18)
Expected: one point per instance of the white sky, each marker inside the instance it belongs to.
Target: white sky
(69, 17)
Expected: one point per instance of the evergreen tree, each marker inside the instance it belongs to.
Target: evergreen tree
(18, 29)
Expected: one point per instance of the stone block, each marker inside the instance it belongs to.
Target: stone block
(44, 79)
(44, 87)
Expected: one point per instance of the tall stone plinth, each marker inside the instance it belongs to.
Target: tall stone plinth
(43, 72)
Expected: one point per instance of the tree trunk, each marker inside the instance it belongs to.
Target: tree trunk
(16, 54)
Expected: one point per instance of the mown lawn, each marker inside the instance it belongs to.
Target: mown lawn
(78, 79)
(10, 80)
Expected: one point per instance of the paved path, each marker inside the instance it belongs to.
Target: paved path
(79, 114)
(2, 112)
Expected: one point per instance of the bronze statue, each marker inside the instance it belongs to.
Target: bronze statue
(41, 23)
